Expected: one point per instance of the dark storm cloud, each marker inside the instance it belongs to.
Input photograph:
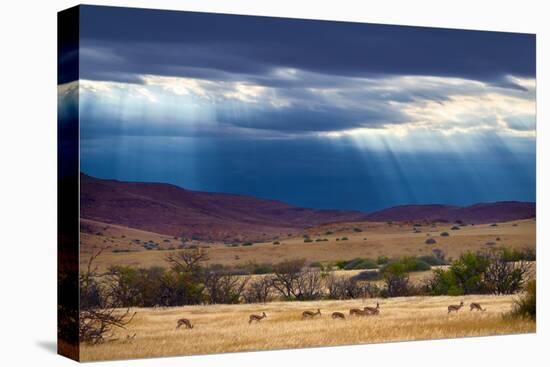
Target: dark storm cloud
(216, 46)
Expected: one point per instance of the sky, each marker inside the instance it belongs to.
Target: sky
(314, 113)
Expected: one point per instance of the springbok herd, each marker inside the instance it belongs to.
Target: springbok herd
(366, 311)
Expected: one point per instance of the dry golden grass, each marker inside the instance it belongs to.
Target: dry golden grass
(225, 328)
(381, 239)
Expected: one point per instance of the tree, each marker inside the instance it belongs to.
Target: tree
(286, 277)
(505, 277)
(396, 280)
(224, 287)
(259, 290)
(99, 312)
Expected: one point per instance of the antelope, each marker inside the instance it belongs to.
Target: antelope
(338, 315)
(310, 314)
(455, 307)
(476, 306)
(358, 312)
(373, 310)
(185, 322)
(256, 318)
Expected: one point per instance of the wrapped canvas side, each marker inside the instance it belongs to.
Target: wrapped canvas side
(68, 184)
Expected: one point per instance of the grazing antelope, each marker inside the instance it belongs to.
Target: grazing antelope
(476, 306)
(358, 312)
(373, 310)
(338, 315)
(455, 307)
(256, 318)
(185, 322)
(310, 314)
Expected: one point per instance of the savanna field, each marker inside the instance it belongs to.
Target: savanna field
(225, 328)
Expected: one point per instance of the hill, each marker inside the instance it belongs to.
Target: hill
(171, 210)
(502, 211)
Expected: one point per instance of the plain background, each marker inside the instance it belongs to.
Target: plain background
(28, 181)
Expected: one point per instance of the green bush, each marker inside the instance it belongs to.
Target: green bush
(308, 240)
(247, 244)
(360, 263)
(276, 243)
(444, 234)
(430, 241)
(344, 238)
(381, 260)
(262, 269)
(357, 230)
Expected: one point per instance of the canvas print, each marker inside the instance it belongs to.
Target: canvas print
(235, 183)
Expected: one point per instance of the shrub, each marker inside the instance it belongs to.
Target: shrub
(368, 275)
(276, 243)
(526, 305)
(357, 230)
(381, 260)
(344, 238)
(432, 260)
(455, 228)
(247, 244)
(307, 240)
(360, 263)
(327, 233)
(316, 264)
(430, 241)
(444, 234)
(262, 269)
(396, 280)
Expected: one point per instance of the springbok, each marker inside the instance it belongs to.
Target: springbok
(338, 315)
(256, 318)
(373, 310)
(476, 306)
(455, 307)
(358, 312)
(310, 314)
(185, 322)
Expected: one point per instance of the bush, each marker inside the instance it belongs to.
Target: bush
(455, 228)
(262, 269)
(360, 263)
(344, 238)
(444, 234)
(480, 273)
(432, 260)
(526, 306)
(247, 244)
(381, 260)
(430, 241)
(357, 230)
(368, 275)
(316, 264)
(276, 243)
(308, 240)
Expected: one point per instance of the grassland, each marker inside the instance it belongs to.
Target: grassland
(225, 328)
(363, 240)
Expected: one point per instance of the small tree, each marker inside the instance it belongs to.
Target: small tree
(99, 311)
(259, 290)
(396, 280)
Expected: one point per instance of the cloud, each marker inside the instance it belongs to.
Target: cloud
(306, 103)
(121, 41)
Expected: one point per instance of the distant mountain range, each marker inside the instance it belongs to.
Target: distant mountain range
(172, 210)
